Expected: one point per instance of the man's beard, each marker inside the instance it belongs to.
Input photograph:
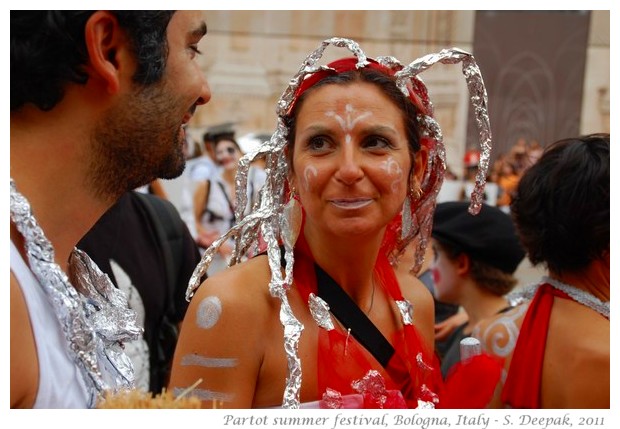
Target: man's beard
(136, 143)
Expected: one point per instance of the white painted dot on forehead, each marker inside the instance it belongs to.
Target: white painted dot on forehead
(209, 312)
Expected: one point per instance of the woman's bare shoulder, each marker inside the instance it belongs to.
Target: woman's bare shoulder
(222, 337)
(244, 284)
(416, 292)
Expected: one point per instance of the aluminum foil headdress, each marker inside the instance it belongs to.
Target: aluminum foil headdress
(268, 220)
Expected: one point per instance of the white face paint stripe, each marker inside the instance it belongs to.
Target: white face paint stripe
(338, 118)
(348, 123)
(205, 395)
(197, 360)
(209, 312)
(391, 167)
(310, 170)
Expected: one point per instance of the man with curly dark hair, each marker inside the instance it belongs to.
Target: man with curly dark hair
(557, 345)
(99, 101)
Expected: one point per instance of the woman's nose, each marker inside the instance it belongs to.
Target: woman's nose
(349, 164)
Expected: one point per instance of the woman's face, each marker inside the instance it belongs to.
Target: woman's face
(445, 276)
(227, 154)
(351, 159)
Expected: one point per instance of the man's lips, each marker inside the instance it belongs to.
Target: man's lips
(186, 118)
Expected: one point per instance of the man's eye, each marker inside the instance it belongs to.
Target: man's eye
(195, 49)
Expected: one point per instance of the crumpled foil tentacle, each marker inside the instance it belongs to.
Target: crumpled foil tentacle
(278, 287)
(479, 100)
(424, 208)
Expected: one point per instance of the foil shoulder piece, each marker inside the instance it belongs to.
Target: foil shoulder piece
(92, 313)
(406, 311)
(320, 312)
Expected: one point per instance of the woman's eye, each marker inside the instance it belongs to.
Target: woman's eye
(377, 142)
(318, 143)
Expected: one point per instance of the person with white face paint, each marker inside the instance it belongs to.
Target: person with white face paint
(353, 170)
(214, 200)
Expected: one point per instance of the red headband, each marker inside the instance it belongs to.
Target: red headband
(417, 91)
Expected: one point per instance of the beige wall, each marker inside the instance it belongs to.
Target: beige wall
(249, 56)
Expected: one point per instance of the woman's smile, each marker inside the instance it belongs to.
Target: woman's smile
(351, 203)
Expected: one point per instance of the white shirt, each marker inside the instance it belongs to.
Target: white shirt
(60, 381)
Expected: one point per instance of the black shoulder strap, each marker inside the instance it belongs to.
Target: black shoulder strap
(208, 193)
(349, 314)
(169, 228)
(230, 204)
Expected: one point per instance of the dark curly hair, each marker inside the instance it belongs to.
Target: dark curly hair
(48, 50)
(561, 206)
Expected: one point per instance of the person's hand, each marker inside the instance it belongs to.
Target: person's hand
(225, 250)
(445, 328)
(204, 238)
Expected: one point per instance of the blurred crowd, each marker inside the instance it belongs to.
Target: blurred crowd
(502, 178)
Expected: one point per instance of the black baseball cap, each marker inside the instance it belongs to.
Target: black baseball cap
(489, 237)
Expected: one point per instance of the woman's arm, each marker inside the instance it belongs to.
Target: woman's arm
(220, 342)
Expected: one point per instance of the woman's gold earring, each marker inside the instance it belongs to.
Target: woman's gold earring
(417, 192)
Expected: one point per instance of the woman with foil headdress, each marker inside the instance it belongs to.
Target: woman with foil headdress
(353, 171)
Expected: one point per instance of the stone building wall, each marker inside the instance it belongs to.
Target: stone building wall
(249, 57)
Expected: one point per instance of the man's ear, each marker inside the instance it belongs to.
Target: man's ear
(108, 51)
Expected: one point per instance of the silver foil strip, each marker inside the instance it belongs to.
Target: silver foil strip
(406, 311)
(478, 98)
(309, 66)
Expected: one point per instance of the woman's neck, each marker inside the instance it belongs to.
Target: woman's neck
(229, 175)
(349, 262)
(595, 279)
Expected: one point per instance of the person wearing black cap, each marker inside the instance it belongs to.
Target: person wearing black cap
(475, 258)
